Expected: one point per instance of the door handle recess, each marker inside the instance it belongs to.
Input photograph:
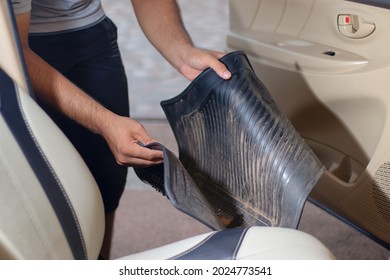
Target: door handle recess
(354, 26)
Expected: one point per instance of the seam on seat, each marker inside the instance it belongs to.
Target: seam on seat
(193, 248)
(50, 167)
(24, 199)
(221, 245)
(239, 243)
(76, 242)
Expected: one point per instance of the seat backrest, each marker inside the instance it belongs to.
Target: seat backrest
(50, 206)
(10, 60)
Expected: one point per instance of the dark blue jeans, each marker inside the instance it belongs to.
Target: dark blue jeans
(90, 58)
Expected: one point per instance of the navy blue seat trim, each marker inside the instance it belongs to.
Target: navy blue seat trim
(13, 115)
(222, 245)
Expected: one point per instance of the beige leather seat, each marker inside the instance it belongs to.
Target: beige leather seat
(50, 206)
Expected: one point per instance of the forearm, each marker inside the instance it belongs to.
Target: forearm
(121, 133)
(52, 88)
(56, 91)
(162, 24)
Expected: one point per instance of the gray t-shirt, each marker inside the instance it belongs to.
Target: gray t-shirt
(56, 16)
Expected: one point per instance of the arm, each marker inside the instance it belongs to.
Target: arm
(52, 88)
(161, 22)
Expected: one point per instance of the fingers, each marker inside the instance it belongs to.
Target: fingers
(218, 66)
(123, 136)
(220, 69)
(199, 59)
(138, 156)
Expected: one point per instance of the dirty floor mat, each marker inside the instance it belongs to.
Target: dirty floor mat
(241, 162)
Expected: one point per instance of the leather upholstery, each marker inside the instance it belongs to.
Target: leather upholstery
(40, 234)
(258, 243)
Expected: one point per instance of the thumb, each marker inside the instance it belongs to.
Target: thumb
(220, 68)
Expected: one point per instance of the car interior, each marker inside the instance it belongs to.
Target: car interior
(329, 55)
(326, 64)
(50, 204)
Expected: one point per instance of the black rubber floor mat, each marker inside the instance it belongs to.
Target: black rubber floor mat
(240, 152)
(173, 181)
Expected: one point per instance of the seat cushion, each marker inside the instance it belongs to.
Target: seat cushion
(254, 243)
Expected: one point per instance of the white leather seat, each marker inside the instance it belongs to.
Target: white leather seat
(259, 243)
(50, 206)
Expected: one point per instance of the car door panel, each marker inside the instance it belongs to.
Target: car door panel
(333, 84)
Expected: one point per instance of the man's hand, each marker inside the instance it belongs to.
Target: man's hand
(162, 24)
(123, 135)
(196, 60)
(52, 88)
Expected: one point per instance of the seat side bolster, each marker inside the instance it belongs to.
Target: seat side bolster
(276, 243)
(255, 243)
(168, 251)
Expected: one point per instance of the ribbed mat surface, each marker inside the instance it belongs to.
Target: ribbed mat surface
(241, 152)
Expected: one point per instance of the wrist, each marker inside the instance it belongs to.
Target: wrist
(104, 122)
(179, 56)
